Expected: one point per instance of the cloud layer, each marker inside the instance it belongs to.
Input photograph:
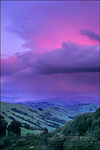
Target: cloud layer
(70, 58)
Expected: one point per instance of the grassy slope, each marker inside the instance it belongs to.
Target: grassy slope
(50, 117)
(25, 131)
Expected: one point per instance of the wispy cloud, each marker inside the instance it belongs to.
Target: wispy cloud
(90, 34)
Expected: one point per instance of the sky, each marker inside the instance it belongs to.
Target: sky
(49, 49)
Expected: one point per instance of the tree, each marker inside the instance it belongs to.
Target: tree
(3, 126)
(45, 131)
(20, 125)
(40, 109)
(14, 128)
(57, 141)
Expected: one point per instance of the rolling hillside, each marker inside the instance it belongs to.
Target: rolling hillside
(50, 118)
(77, 107)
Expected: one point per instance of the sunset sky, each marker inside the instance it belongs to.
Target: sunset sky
(49, 49)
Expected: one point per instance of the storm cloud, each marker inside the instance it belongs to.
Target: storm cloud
(70, 58)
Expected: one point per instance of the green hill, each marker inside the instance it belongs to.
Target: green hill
(50, 118)
(81, 133)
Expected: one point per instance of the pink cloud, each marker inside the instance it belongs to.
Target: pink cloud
(70, 58)
(45, 25)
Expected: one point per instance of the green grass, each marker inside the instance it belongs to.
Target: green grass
(26, 131)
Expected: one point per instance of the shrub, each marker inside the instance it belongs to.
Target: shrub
(56, 142)
(82, 143)
(40, 109)
(14, 128)
(45, 131)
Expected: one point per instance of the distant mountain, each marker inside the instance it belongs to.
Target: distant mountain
(78, 107)
(72, 100)
(82, 108)
(63, 101)
(36, 105)
(84, 100)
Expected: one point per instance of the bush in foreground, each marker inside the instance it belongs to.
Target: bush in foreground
(82, 143)
(14, 128)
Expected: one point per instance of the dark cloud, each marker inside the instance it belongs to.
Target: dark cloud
(90, 34)
(70, 58)
(68, 70)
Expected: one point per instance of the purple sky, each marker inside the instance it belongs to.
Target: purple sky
(49, 49)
